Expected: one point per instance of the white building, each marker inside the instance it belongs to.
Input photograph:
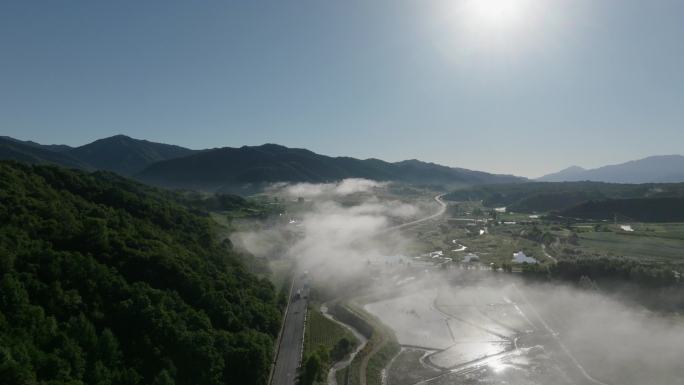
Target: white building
(520, 257)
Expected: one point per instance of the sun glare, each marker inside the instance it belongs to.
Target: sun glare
(495, 13)
(492, 24)
(492, 16)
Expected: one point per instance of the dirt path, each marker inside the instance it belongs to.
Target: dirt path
(364, 362)
(548, 255)
(340, 365)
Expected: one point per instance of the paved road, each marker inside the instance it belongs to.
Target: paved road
(290, 350)
(442, 209)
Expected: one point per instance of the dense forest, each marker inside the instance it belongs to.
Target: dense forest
(121, 154)
(106, 281)
(251, 168)
(604, 268)
(643, 210)
(245, 170)
(548, 196)
(656, 286)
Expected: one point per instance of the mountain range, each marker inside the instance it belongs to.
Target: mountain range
(121, 154)
(249, 168)
(243, 170)
(654, 169)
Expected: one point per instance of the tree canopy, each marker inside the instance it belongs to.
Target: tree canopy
(106, 281)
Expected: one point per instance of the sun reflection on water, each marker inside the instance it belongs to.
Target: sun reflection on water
(497, 366)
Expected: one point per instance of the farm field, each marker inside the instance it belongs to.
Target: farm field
(494, 237)
(499, 332)
(461, 334)
(656, 249)
(322, 331)
(409, 368)
(459, 322)
(662, 230)
(495, 245)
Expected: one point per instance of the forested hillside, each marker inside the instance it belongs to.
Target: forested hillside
(121, 154)
(644, 210)
(231, 169)
(547, 196)
(125, 155)
(105, 281)
(29, 152)
(243, 170)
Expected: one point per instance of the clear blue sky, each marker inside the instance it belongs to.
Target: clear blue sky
(543, 85)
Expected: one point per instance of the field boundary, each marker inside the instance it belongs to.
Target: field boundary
(379, 350)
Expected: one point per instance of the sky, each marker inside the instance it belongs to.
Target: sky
(522, 87)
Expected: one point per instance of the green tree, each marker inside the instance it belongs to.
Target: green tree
(311, 370)
(164, 378)
(105, 281)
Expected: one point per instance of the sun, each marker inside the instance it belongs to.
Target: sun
(492, 16)
(507, 27)
(495, 14)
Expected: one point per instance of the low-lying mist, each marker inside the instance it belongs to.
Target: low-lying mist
(618, 343)
(340, 233)
(339, 227)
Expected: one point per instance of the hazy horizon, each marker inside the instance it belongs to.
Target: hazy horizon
(524, 87)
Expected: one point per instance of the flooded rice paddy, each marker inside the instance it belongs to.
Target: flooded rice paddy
(499, 335)
(452, 335)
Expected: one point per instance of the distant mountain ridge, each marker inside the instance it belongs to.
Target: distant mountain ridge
(31, 152)
(563, 175)
(654, 169)
(227, 169)
(51, 147)
(125, 155)
(120, 153)
(223, 169)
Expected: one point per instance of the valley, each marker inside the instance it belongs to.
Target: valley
(455, 308)
(385, 192)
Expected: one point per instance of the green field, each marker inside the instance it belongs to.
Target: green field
(378, 352)
(661, 230)
(657, 249)
(507, 233)
(496, 246)
(649, 242)
(322, 331)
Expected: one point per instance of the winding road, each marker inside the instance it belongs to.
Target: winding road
(332, 380)
(439, 213)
